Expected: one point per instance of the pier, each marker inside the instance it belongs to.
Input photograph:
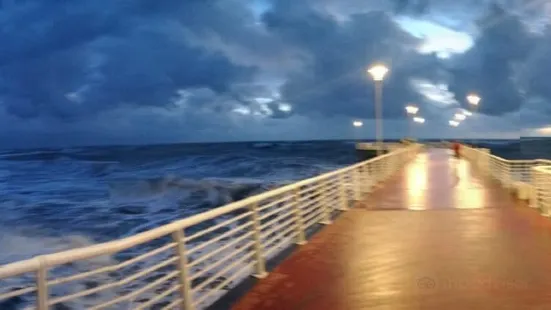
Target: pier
(438, 235)
(415, 228)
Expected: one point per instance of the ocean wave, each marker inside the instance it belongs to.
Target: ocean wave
(214, 192)
(20, 243)
(127, 207)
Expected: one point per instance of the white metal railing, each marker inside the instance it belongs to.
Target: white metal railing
(541, 189)
(530, 176)
(507, 171)
(190, 263)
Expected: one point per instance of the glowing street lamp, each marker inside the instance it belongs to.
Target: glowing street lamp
(411, 109)
(473, 99)
(460, 117)
(419, 120)
(378, 73)
(454, 123)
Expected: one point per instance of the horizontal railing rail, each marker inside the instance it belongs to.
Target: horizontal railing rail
(530, 178)
(375, 146)
(190, 263)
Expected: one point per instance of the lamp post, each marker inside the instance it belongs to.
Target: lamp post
(411, 110)
(378, 73)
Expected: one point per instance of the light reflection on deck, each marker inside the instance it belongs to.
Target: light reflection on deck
(437, 180)
(466, 194)
(416, 176)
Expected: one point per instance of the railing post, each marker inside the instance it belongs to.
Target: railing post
(356, 184)
(185, 283)
(542, 202)
(299, 220)
(381, 165)
(509, 176)
(370, 183)
(343, 205)
(387, 166)
(376, 175)
(533, 198)
(491, 167)
(325, 203)
(546, 195)
(260, 261)
(366, 179)
(533, 203)
(361, 180)
(42, 284)
(499, 172)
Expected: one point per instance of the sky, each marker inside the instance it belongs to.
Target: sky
(144, 71)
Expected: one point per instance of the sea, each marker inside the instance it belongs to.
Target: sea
(57, 199)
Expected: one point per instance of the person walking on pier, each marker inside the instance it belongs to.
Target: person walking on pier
(456, 148)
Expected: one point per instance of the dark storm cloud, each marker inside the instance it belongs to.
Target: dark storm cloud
(534, 73)
(334, 80)
(148, 68)
(508, 65)
(68, 60)
(490, 66)
(145, 70)
(231, 21)
(32, 28)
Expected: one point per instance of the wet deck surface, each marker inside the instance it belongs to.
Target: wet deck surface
(437, 236)
(436, 180)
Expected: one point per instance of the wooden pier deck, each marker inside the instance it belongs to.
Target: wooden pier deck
(437, 236)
